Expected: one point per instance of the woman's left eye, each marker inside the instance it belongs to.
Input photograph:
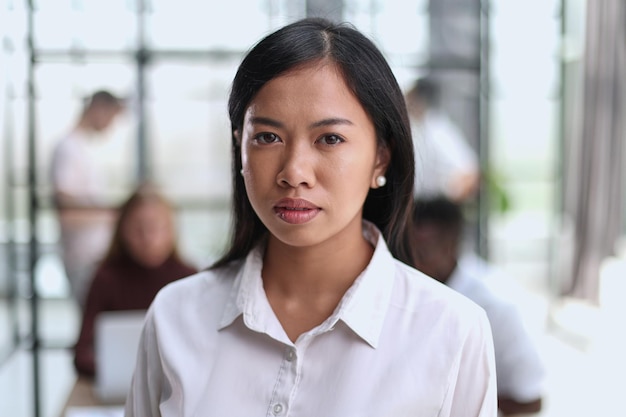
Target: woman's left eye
(331, 139)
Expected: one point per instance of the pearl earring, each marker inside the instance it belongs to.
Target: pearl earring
(241, 171)
(381, 180)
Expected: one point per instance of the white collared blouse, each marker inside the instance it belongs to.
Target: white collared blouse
(398, 344)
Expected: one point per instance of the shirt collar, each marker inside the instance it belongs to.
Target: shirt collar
(247, 296)
(362, 308)
(365, 304)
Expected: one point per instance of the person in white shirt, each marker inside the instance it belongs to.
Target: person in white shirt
(445, 163)
(78, 185)
(313, 310)
(438, 230)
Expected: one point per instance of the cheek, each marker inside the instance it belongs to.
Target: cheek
(248, 165)
(134, 244)
(353, 173)
(243, 155)
(252, 189)
(255, 167)
(160, 238)
(259, 171)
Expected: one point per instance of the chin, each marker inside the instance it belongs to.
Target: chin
(302, 237)
(151, 263)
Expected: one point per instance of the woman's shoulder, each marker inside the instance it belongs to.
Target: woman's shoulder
(181, 305)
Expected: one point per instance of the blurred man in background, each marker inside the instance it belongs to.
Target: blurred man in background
(78, 185)
(445, 163)
(437, 245)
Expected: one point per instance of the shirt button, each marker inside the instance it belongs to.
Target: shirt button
(278, 408)
(291, 355)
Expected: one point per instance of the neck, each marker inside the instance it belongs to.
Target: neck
(326, 269)
(305, 285)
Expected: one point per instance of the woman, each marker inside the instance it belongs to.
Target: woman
(308, 313)
(141, 260)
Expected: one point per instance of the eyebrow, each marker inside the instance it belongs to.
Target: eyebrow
(257, 120)
(330, 122)
(324, 122)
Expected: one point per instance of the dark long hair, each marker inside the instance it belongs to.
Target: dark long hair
(371, 80)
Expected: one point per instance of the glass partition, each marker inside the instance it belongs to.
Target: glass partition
(8, 315)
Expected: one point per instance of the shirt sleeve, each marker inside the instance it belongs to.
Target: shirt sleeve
(64, 161)
(456, 153)
(148, 381)
(444, 158)
(520, 369)
(74, 177)
(472, 390)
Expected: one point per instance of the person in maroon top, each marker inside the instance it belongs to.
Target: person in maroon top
(142, 259)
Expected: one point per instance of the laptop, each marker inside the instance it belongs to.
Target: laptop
(116, 340)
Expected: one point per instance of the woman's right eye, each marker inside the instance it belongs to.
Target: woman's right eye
(266, 138)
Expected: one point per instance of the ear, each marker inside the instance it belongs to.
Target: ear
(383, 157)
(237, 137)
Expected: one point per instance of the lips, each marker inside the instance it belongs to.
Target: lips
(296, 210)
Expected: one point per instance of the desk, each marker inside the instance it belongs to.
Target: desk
(82, 396)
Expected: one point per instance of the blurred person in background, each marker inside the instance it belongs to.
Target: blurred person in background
(445, 163)
(437, 232)
(142, 258)
(78, 186)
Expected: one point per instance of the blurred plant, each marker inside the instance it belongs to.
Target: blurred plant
(499, 199)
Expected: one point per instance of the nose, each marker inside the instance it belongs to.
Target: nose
(297, 167)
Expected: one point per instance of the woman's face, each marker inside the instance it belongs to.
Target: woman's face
(309, 155)
(149, 233)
